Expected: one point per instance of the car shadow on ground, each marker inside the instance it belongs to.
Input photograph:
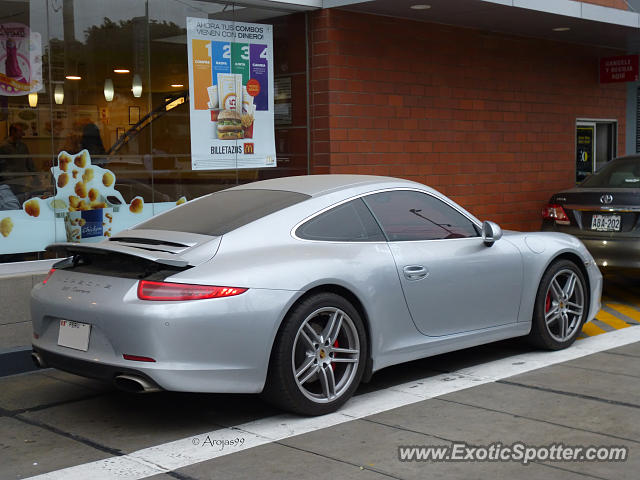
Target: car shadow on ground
(162, 409)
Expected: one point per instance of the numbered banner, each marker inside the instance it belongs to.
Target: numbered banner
(231, 94)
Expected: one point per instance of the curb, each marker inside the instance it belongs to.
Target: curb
(16, 360)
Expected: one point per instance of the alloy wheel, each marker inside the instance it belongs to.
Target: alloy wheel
(325, 355)
(564, 305)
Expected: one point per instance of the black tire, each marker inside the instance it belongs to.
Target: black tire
(283, 390)
(547, 325)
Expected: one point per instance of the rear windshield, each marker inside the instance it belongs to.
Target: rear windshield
(222, 212)
(621, 173)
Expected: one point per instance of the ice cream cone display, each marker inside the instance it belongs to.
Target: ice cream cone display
(86, 207)
(87, 183)
(81, 198)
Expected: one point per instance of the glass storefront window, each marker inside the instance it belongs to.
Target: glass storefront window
(94, 115)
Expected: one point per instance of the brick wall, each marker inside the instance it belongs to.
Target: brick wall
(487, 119)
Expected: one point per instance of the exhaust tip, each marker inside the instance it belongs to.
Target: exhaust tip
(134, 384)
(37, 360)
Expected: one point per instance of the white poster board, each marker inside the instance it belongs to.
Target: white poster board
(230, 94)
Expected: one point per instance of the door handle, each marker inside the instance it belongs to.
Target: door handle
(415, 272)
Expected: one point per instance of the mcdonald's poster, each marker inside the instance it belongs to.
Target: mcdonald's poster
(230, 94)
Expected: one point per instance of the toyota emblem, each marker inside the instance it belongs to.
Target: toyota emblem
(606, 199)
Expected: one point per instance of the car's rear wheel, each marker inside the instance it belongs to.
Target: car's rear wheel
(319, 356)
(561, 306)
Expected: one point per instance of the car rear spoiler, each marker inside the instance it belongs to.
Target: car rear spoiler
(68, 249)
(181, 250)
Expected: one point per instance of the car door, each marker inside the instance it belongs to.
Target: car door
(451, 280)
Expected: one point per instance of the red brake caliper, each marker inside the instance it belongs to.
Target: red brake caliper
(335, 345)
(547, 303)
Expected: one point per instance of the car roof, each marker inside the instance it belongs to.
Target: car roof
(315, 185)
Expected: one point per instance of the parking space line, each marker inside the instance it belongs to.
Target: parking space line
(611, 320)
(182, 453)
(591, 329)
(625, 310)
(620, 309)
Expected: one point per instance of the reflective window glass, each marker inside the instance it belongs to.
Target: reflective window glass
(349, 222)
(410, 215)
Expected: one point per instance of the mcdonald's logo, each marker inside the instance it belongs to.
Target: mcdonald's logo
(248, 149)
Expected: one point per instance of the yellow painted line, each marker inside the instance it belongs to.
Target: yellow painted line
(611, 320)
(591, 330)
(625, 310)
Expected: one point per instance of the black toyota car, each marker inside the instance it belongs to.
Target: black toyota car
(604, 212)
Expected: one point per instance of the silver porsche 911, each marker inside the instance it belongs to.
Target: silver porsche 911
(301, 288)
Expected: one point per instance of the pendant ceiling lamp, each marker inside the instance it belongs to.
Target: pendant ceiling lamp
(136, 87)
(33, 99)
(108, 89)
(58, 94)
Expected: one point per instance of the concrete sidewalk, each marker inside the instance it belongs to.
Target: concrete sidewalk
(590, 401)
(50, 420)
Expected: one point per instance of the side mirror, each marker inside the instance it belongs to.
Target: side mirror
(491, 233)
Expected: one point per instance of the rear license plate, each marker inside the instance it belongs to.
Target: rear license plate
(605, 223)
(74, 335)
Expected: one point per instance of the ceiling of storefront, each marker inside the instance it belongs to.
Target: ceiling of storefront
(505, 18)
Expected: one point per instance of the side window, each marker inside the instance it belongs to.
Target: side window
(349, 222)
(409, 215)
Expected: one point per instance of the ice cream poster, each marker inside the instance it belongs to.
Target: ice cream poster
(20, 60)
(86, 207)
(231, 94)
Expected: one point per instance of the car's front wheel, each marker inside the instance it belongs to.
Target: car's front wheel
(319, 356)
(561, 306)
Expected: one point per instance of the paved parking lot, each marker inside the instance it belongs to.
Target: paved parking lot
(620, 305)
(501, 393)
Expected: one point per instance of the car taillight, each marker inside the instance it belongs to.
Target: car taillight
(148, 290)
(555, 212)
(137, 358)
(46, 279)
